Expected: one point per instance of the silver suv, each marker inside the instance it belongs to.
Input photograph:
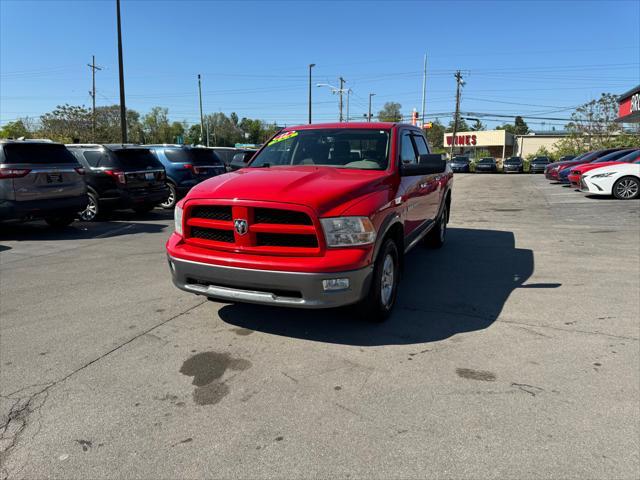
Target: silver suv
(40, 179)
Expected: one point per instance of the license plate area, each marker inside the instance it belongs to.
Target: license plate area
(149, 176)
(54, 178)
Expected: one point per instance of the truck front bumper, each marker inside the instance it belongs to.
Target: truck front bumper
(268, 287)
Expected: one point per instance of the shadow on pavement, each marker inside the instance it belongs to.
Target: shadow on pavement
(115, 224)
(460, 288)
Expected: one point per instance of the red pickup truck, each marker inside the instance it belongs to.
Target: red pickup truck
(321, 217)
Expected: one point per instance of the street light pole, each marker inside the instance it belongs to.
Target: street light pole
(369, 116)
(311, 65)
(201, 115)
(342, 81)
(123, 108)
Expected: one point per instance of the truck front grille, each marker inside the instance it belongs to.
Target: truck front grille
(248, 229)
(212, 212)
(213, 234)
(281, 217)
(286, 240)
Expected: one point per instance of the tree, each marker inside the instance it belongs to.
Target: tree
(108, 125)
(477, 126)
(67, 124)
(435, 135)
(155, 126)
(15, 129)
(463, 126)
(519, 127)
(390, 112)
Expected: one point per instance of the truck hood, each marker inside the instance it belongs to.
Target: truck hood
(321, 188)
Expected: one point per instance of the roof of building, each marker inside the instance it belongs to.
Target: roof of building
(627, 94)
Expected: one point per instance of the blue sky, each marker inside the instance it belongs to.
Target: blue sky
(538, 58)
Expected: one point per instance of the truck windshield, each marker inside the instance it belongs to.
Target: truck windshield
(364, 149)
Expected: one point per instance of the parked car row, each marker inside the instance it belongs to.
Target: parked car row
(40, 179)
(613, 172)
(463, 164)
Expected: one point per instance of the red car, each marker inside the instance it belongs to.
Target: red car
(552, 171)
(321, 217)
(622, 156)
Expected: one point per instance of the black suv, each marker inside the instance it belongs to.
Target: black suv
(40, 179)
(119, 177)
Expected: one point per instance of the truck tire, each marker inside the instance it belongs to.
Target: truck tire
(436, 237)
(377, 305)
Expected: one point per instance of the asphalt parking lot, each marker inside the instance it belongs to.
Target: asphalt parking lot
(513, 353)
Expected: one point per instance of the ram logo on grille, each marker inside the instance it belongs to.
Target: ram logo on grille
(240, 226)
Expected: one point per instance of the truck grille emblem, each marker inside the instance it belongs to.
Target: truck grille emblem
(240, 226)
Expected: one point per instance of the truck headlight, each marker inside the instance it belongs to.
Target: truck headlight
(603, 175)
(348, 231)
(177, 217)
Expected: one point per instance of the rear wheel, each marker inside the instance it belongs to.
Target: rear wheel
(626, 188)
(376, 306)
(172, 198)
(90, 213)
(144, 208)
(436, 237)
(60, 221)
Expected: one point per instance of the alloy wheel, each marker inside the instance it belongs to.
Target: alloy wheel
(89, 213)
(387, 282)
(627, 188)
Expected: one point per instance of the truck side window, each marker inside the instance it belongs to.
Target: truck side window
(421, 145)
(407, 152)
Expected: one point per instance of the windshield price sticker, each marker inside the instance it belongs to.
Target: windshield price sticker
(283, 136)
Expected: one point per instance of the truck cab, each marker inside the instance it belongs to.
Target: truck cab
(322, 216)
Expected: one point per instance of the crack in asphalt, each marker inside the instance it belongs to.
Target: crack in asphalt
(23, 407)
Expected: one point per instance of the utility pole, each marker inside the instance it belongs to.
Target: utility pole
(201, 115)
(93, 68)
(342, 82)
(459, 82)
(424, 88)
(311, 65)
(369, 116)
(123, 107)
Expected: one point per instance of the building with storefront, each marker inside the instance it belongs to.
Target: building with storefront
(629, 106)
(501, 144)
(498, 143)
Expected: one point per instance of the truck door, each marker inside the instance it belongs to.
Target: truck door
(430, 186)
(414, 214)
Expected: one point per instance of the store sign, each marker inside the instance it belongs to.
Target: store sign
(629, 105)
(462, 140)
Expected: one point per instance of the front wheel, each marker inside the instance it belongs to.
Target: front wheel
(626, 188)
(376, 306)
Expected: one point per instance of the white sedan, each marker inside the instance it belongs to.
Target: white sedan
(622, 181)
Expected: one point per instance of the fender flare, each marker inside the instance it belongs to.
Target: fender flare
(389, 221)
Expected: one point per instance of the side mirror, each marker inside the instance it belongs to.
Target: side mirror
(240, 160)
(427, 164)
